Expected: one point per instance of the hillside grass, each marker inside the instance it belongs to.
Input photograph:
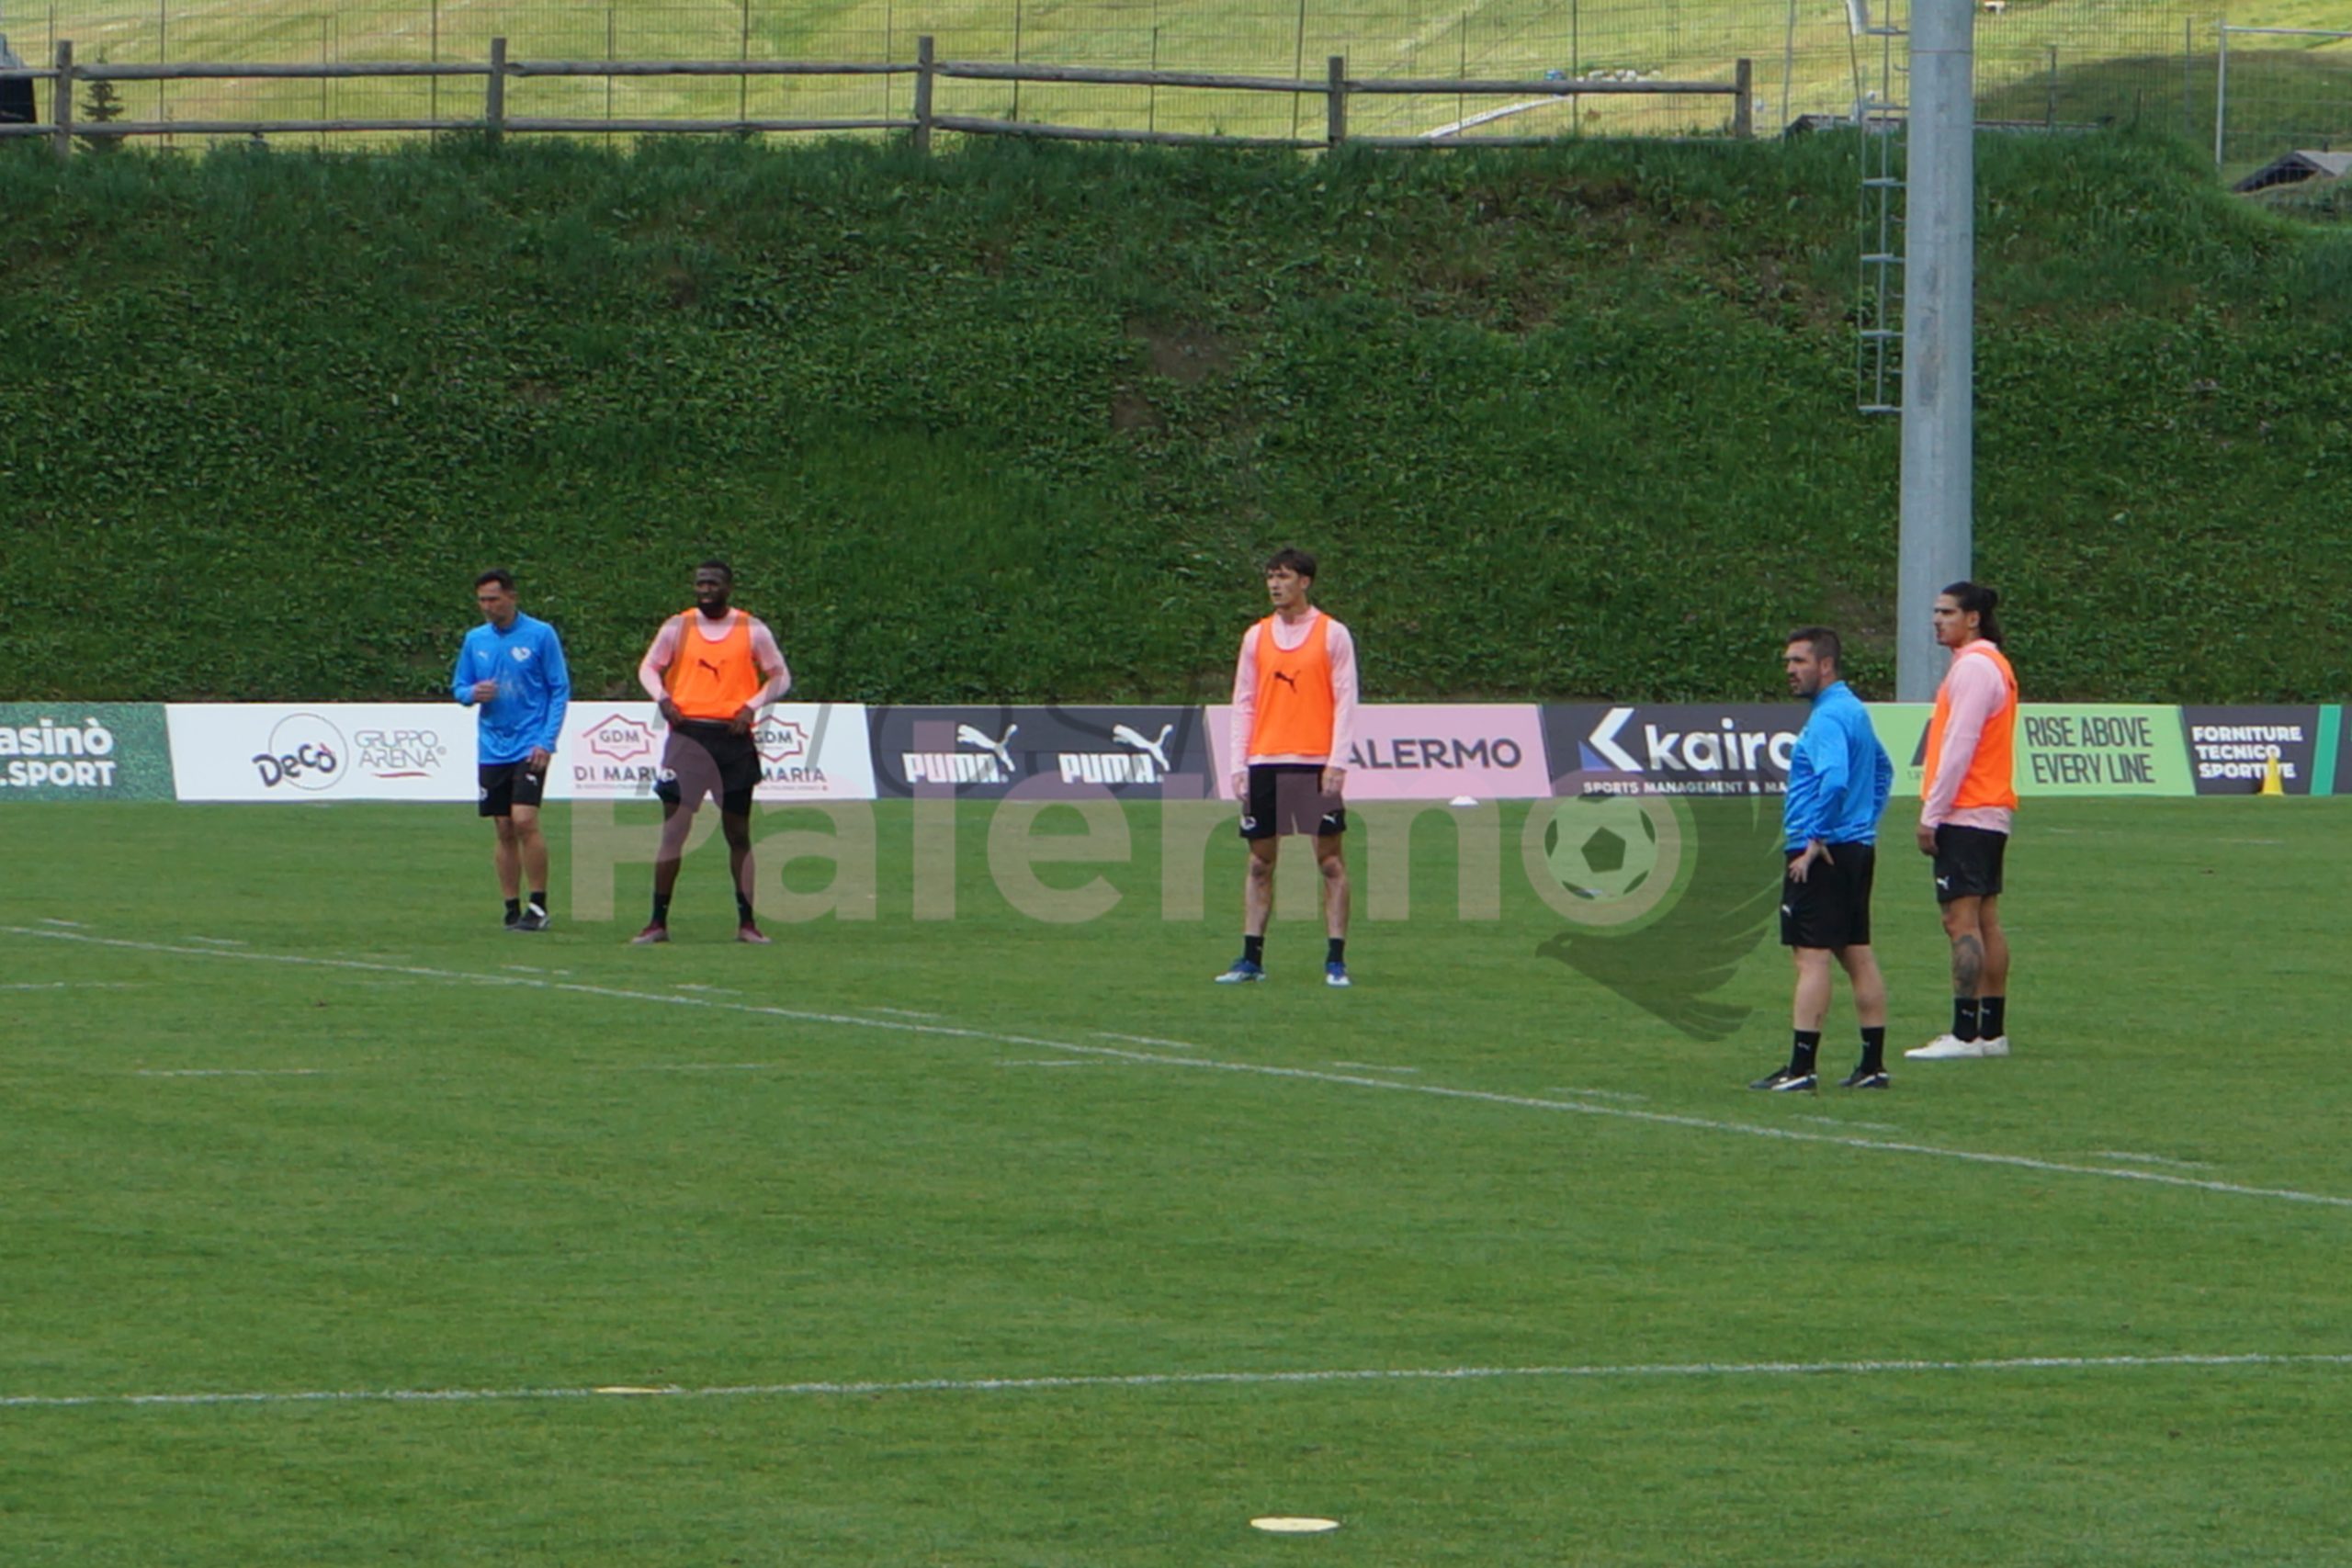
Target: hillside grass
(1814, 66)
(1017, 423)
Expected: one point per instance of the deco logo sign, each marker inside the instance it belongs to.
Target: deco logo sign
(305, 752)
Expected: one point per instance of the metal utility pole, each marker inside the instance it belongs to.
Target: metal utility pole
(1939, 335)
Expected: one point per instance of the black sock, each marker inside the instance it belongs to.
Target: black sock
(1963, 1018)
(1253, 949)
(1992, 1016)
(744, 908)
(1339, 952)
(539, 900)
(513, 909)
(661, 908)
(1801, 1057)
(1875, 1049)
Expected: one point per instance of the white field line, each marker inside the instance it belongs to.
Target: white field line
(1597, 1093)
(1186, 1379)
(72, 985)
(54, 920)
(1256, 1069)
(1147, 1039)
(218, 940)
(2150, 1160)
(229, 1072)
(1055, 1061)
(1840, 1121)
(903, 1012)
(1375, 1067)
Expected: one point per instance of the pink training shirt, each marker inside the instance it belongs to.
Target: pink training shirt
(764, 653)
(1978, 693)
(1288, 635)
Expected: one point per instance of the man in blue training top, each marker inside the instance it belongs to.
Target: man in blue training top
(512, 667)
(1838, 780)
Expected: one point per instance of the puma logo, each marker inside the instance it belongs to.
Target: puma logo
(965, 735)
(1287, 679)
(709, 666)
(1157, 749)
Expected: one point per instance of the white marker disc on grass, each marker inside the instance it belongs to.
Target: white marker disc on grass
(1283, 1524)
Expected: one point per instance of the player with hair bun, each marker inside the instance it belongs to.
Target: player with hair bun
(1969, 799)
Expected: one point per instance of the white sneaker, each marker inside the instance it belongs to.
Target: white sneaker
(1996, 1046)
(1951, 1048)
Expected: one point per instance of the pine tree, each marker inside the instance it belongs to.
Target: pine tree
(101, 105)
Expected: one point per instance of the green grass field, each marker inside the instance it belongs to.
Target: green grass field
(1476, 1257)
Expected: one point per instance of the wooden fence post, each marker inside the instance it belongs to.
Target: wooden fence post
(925, 75)
(1335, 101)
(60, 102)
(494, 96)
(1742, 117)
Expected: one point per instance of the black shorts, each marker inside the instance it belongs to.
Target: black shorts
(1968, 862)
(1831, 908)
(505, 786)
(1286, 799)
(703, 758)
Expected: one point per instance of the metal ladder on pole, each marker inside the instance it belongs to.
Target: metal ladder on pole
(1879, 120)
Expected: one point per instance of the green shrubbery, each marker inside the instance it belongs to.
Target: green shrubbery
(1017, 422)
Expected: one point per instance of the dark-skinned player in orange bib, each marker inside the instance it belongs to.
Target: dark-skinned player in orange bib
(1294, 715)
(711, 670)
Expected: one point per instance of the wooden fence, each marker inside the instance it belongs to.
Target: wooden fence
(1336, 87)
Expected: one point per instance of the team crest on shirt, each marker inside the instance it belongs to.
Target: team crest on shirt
(521, 654)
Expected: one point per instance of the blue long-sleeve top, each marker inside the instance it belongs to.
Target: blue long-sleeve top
(1839, 776)
(534, 688)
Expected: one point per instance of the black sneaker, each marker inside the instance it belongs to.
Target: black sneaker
(515, 921)
(1787, 1080)
(533, 919)
(1865, 1078)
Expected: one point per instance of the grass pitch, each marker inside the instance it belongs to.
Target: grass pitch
(992, 1241)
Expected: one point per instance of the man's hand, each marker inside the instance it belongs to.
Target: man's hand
(1927, 840)
(745, 717)
(1815, 849)
(670, 712)
(485, 690)
(1240, 783)
(1334, 780)
(538, 759)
